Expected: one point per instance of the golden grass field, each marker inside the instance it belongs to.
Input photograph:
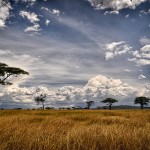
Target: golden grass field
(75, 130)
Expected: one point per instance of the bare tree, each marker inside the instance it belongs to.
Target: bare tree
(40, 99)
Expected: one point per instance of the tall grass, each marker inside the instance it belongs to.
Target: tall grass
(74, 130)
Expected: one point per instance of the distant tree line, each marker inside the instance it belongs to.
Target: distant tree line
(110, 101)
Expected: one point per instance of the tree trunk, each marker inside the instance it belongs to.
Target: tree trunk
(42, 105)
(109, 107)
(141, 105)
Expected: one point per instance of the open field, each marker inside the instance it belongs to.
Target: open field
(74, 130)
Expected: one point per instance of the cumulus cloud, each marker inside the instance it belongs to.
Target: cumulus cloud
(97, 88)
(32, 17)
(27, 94)
(15, 96)
(116, 4)
(141, 77)
(56, 12)
(116, 48)
(34, 28)
(142, 57)
(4, 12)
(145, 91)
(144, 40)
(103, 86)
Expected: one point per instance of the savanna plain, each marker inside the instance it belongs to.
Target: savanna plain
(74, 129)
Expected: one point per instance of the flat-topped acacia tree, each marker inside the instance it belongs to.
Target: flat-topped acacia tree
(6, 72)
(142, 101)
(109, 101)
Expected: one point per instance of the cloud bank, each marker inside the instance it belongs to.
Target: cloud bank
(116, 4)
(96, 89)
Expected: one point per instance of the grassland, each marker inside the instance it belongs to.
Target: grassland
(74, 130)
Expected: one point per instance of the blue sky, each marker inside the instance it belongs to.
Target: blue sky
(67, 43)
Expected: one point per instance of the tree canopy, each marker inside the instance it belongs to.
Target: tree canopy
(142, 101)
(6, 72)
(89, 104)
(109, 101)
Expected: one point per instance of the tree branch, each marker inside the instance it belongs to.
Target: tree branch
(8, 75)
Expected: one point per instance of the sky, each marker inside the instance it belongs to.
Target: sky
(75, 51)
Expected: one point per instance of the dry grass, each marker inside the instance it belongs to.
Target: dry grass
(74, 130)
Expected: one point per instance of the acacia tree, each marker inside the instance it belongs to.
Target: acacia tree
(109, 101)
(142, 101)
(40, 99)
(6, 72)
(89, 104)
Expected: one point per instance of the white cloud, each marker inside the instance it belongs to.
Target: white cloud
(31, 2)
(140, 61)
(97, 88)
(101, 86)
(144, 12)
(53, 11)
(4, 13)
(32, 17)
(127, 70)
(141, 77)
(116, 4)
(34, 28)
(144, 40)
(116, 48)
(47, 22)
(24, 61)
(142, 57)
(45, 8)
(28, 0)
(112, 12)
(144, 91)
(127, 16)
(56, 12)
